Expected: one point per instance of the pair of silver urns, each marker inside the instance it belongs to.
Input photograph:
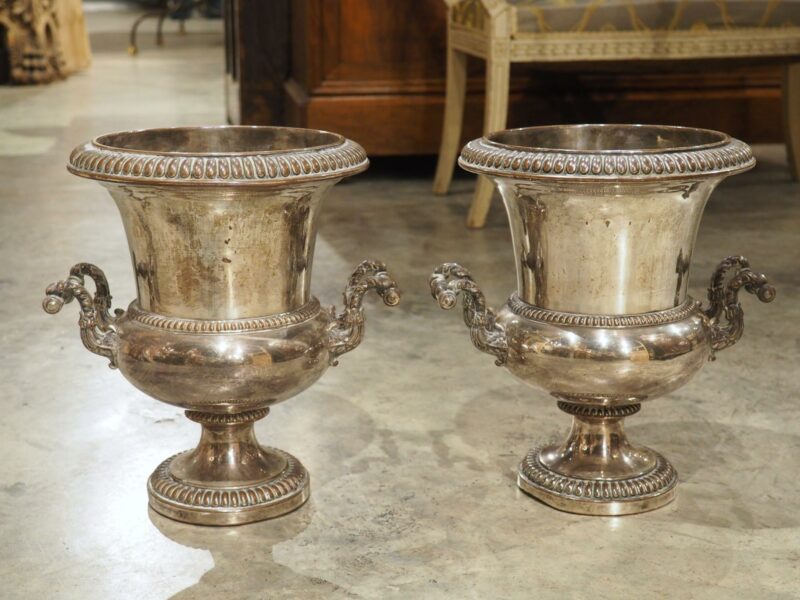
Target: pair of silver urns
(221, 224)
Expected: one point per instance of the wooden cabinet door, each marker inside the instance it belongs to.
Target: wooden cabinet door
(372, 70)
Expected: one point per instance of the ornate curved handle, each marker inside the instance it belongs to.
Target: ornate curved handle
(346, 330)
(724, 300)
(447, 282)
(97, 325)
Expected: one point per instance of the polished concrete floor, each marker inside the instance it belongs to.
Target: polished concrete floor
(412, 442)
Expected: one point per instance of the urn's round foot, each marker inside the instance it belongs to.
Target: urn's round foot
(620, 495)
(220, 504)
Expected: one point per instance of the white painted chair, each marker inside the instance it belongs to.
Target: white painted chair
(550, 31)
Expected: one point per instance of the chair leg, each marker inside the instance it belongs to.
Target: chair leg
(791, 116)
(453, 119)
(498, 69)
(132, 47)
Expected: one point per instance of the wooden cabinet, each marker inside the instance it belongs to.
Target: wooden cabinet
(373, 70)
(370, 69)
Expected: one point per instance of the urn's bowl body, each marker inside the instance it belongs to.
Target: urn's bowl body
(603, 224)
(221, 226)
(593, 363)
(206, 368)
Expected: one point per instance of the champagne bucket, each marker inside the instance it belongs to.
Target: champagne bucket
(603, 224)
(221, 224)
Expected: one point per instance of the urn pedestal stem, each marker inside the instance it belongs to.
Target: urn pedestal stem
(229, 478)
(597, 471)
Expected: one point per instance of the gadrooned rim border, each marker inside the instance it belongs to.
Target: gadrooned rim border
(95, 160)
(304, 313)
(171, 491)
(486, 157)
(662, 478)
(662, 317)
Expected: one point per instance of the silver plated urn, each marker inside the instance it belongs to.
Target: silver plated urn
(603, 224)
(221, 224)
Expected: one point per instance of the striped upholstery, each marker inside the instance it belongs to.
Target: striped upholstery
(538, 16)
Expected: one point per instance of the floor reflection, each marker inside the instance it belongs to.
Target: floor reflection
(244, 566)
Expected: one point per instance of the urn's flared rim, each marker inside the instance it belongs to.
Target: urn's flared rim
(218, 155)
(606, 152)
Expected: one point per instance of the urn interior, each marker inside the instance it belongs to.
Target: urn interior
(216, 141)
(608, 138)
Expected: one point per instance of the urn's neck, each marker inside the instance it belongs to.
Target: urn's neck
(226, 252)
(604, 248)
